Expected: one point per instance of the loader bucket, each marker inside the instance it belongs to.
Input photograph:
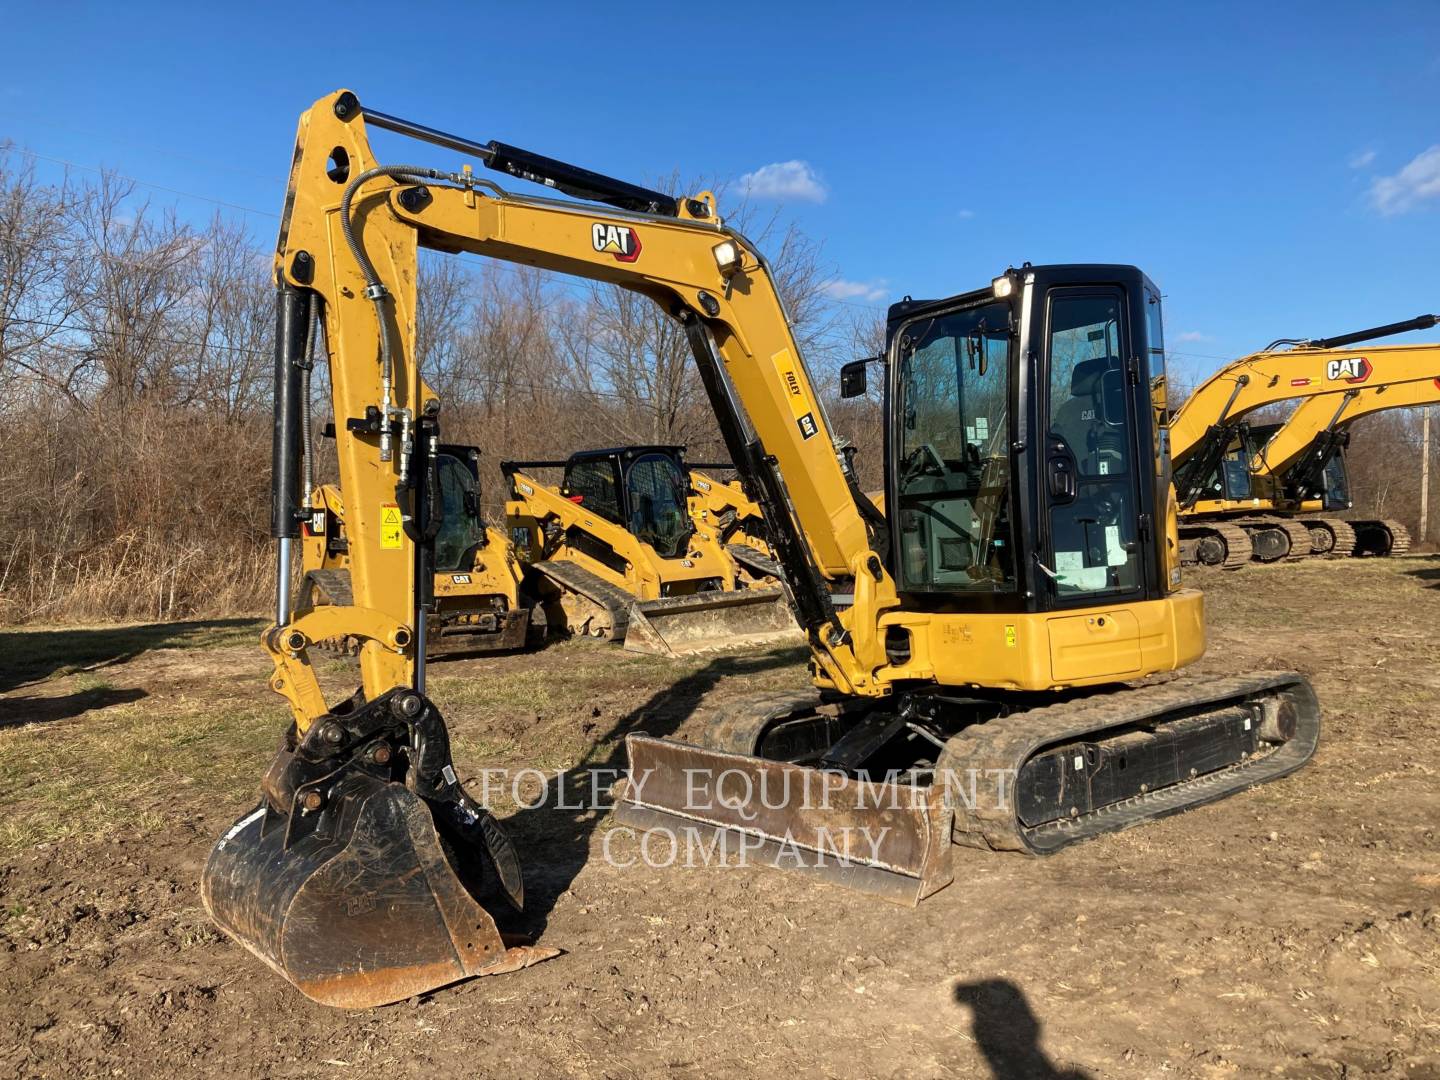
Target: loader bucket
(357, 904)
(677, 625)
(890, 839)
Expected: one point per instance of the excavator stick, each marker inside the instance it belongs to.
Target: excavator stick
(680, 625)
(363, 876)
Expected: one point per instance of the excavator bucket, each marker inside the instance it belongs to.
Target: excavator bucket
(887, 838)
(677, 625)
(361, 892)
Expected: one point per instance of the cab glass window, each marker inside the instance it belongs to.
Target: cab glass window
(592, 484)
(657, 492)
(953, 472)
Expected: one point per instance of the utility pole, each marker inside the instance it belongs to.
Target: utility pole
(1424, 471)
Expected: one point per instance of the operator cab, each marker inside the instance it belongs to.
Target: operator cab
(463, 529)
(1052, 372)
(643, 489)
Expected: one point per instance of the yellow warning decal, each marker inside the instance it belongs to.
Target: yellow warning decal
(390, 526)
(1010, 635)
(800, 405)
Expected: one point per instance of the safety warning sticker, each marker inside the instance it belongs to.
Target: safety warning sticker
(390, 525)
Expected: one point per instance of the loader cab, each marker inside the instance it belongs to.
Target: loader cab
(463, 529)
(1026, 455)
(643, 489)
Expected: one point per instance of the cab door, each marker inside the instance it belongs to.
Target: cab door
(1093, 465)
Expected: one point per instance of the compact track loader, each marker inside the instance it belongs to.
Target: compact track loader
(480, 604)
(616, 549)
(1008, 610)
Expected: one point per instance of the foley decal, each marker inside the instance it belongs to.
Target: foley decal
(800, 405)
(390, 525)
(1352, 369)
(619, 240)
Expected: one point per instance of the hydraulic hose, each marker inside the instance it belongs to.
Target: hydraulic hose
(374, 288)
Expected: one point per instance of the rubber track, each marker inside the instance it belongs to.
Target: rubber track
(748, 556)
(1008, 742)
(597, 590)
(1238, 548)
(334, 586)
(1399, 535)
(736, 725)
(1342, 531)
(1298, 534)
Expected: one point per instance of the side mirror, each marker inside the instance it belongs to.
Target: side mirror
(853, 378)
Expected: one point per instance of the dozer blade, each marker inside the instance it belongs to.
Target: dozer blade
(677, 625)
(889, 839)
(362, 892)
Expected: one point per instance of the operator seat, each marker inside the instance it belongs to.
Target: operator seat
(1098, 446)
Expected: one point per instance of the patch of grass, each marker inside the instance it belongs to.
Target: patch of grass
(53, 653)
(133, 767)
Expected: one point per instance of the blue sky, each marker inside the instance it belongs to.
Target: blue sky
(1266, 163)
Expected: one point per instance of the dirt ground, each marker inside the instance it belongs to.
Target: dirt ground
(1290, 931)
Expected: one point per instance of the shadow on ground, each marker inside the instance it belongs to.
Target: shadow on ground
(1430, 575)
(563, 835)
(18, 711)
(1007, 1032)
(32, 655)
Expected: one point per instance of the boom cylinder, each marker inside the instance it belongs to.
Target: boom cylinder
(293, 310)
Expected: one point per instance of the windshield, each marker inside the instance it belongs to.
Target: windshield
(953, 472)
(1236, 467)
(462, 528)
(1337, 484)
(657, 492)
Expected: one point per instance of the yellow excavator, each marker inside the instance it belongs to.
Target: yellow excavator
(481, 603)
(1299, 466)
(615, 553)
(1223, 522)
(1007, 610)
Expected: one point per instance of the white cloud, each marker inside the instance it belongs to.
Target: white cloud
(964, 215)
(1191, 337)
(1416, 182)
(840, 289)
(784, 180)
(1361, 159)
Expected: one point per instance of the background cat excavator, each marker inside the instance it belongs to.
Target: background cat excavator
(1006, 610)
(1223, 521)
(1299, 466)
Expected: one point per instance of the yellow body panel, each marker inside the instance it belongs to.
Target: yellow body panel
(1050, 650)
